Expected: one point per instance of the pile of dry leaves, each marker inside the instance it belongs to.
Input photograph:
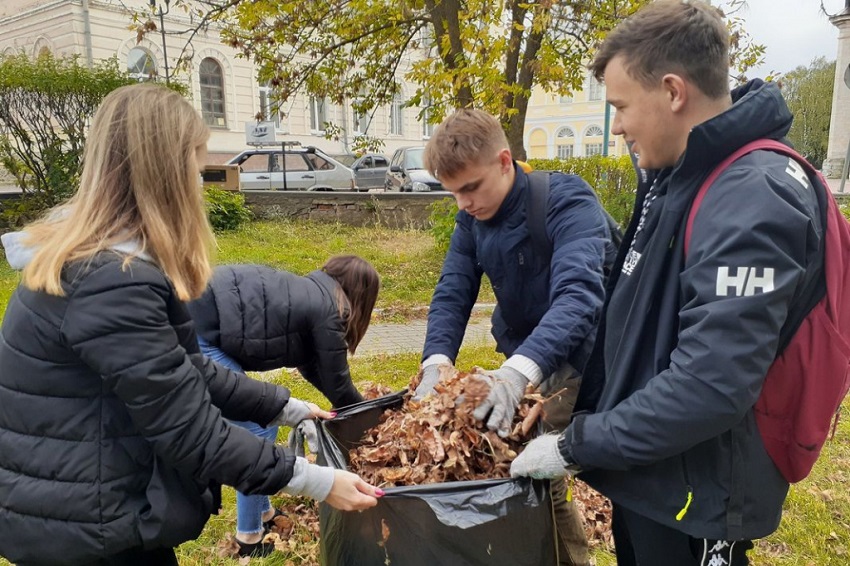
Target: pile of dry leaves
(437, 439)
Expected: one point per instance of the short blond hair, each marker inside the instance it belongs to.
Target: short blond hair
(467, 137)
(139, 182)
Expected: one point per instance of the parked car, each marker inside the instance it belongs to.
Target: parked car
(370, 171)
(407, 172)
(346, 159)
(307, 169)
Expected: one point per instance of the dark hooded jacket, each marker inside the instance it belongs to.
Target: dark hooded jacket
(111, 428)
(688, 341)
(268, 319)
(548, 303)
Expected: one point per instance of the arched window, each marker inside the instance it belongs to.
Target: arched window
(593, 130)
(564, 142)
(140, 64)
(212, 93)
(42, 47)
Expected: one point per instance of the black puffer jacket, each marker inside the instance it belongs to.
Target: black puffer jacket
(267, 319)
(111, 428)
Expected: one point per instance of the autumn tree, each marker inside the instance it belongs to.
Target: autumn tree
(808, 92)
(459, 53)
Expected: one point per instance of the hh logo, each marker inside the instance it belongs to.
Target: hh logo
(744, 281)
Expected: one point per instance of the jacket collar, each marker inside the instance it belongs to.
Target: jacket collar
(515, 199)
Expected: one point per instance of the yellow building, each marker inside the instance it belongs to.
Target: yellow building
(569, 126)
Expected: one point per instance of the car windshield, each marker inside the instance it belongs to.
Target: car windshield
(345, 158)
(413, 158)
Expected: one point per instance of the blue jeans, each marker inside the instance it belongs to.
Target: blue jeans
(249, 508)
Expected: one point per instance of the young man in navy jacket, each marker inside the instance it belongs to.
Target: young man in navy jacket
(689, 338)
(548, 302)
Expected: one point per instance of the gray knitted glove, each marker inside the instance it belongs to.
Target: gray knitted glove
(293, 413)
(503, 400)
(541, 459)
(308, 432)
(310, 480)
(430, 378)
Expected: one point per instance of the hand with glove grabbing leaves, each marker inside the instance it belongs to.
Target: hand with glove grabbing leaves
(508, 388)
(430, 375)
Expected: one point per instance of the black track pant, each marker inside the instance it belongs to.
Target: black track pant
(642, 542)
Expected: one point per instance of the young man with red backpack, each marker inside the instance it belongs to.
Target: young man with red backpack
(719, 299)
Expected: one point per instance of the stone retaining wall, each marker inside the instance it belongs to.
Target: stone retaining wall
(394, 210)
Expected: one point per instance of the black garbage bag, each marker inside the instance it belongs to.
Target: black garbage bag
(492, 522)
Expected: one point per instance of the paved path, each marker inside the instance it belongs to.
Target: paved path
(409, 337)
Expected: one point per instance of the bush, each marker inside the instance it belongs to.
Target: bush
(46, 105)
(613, 178)
(226, 209)
(442, 221)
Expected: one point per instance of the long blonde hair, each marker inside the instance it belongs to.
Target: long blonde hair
(140, 184)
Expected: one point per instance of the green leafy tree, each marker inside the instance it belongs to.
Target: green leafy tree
(488, 54)
(460, 53)
(808, 92)
(45, 108)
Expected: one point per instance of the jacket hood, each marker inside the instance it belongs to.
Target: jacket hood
(757, 111)
(17, 253)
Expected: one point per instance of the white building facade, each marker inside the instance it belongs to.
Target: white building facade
(223, 87)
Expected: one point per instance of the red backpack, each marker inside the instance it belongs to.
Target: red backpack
(802, 393)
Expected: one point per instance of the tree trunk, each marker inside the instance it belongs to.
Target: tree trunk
(514, 124)
(444, 18)
(514, 130)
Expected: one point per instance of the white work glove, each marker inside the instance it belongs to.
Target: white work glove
(502, 401)
(297, 410)
(541, 460)
(308, 432)
(430, 378)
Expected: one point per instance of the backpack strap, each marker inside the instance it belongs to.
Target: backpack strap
(535, 214)
(768, 144)
(816, 288)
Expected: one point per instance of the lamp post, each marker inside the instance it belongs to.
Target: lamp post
(156, 5)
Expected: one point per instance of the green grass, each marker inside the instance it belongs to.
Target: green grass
(407, 260)
(815, 529)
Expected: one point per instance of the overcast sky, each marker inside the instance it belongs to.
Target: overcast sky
(794, 32)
